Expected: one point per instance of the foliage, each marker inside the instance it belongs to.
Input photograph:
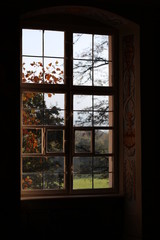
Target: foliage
(36, 73)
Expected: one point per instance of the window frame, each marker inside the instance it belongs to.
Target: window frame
(69, 90)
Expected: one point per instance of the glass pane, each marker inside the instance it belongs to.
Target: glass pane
(53, 112)
(32, 164)
(101, 180)
(54, 43)
(32, 100)
(54, 71)
(101, 73)
(32, 117)
(32, 140)
(101, 165)
(54, 181)
(32, 42)
(83, 141)
(55, 141)
(32, 108)
(54, 117)
(101, 47)
(82, 46)
(54, 164)
(82, 181)
(31, 181)
(82, 73)
(103, 141)
(32, 70)
(54, 100)
(101, 119)
(101, 103)
(82, 102)
(82, 118)
(82, 165)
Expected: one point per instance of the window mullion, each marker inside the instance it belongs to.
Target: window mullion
(92, 59)
(43, 54)
(68, 82)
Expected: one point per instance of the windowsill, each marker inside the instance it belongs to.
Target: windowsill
(113, 195)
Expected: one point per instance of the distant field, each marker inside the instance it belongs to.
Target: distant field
(86, 183)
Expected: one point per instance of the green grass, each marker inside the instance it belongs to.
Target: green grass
(86, 183)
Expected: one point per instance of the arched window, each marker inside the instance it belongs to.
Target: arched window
(70, 103)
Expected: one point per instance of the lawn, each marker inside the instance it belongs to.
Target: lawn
(86, 183)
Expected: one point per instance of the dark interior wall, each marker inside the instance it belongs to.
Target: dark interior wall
(67, 216)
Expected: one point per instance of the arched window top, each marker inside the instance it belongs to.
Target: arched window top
(81, 14)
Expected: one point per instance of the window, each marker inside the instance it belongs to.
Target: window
(68, 113)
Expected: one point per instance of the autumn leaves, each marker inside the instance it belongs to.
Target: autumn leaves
(34, 72)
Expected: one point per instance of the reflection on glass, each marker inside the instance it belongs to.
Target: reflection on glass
(82, 73)
(32, 140)
(83, 141)
(55, 141)
(54, 43)
(82, 46)
(32, 42)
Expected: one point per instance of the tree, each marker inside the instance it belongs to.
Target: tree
(40, 172)
(91, 61)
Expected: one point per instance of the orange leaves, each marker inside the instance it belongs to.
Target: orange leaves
(36, 79)
(35, 73)
(40, 64)
(31, 140)
(27, 182)
(48, 76)
(49, 95)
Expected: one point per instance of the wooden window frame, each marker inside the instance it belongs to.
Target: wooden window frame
(69, 90)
